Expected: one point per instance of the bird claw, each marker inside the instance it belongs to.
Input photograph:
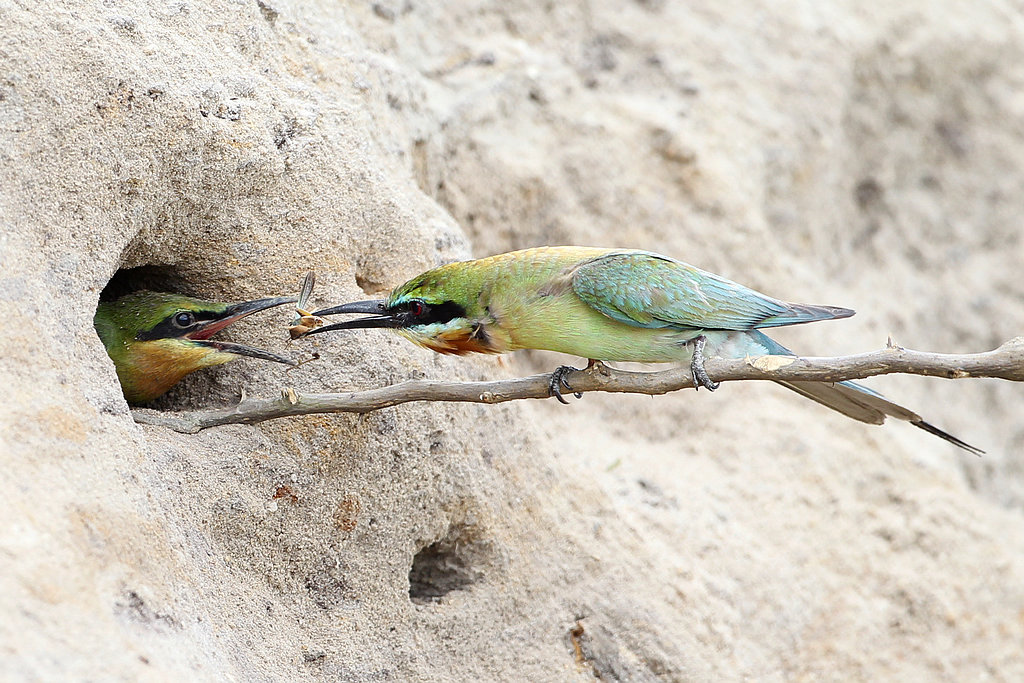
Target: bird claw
(700, 375)
(559, 379)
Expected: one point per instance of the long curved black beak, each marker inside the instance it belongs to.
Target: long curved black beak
(243, 350)
(236, 311)
(374, 307)
(233, 314)
(379, 317)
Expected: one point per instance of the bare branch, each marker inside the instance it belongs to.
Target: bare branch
(1006, 362)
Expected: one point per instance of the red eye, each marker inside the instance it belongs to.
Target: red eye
(416, 308)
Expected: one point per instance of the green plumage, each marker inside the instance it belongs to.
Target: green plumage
(648, 290)
(156, 338)
(610, 305)
(117, 322)
(607, 304)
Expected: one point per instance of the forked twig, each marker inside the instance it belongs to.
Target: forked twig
(1006, 362)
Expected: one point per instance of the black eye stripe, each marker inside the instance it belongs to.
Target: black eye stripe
(168, 327)
(430, 314)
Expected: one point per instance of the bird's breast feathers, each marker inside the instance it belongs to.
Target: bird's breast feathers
(457, 337)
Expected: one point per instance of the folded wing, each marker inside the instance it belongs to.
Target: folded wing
(648, 290)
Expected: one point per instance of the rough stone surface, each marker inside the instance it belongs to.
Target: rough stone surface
(827, 152)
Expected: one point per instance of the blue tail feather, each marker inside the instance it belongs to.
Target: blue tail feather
(853, 399)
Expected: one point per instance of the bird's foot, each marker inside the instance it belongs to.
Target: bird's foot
(559, 379)
(700, 375)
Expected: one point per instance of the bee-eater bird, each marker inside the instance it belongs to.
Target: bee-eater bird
(606, 305)
(156, 338)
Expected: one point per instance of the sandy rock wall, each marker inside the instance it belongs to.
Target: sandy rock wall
(859, 157)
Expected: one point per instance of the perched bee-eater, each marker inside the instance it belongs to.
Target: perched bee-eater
(156, 338)
(606, 305)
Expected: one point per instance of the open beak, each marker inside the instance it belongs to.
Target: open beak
(233, 314)
(379, 317)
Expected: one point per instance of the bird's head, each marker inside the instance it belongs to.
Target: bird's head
(431, 310)
(156, 338)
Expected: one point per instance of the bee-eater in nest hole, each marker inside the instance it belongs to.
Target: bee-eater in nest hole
(156, 338)
(606, 305)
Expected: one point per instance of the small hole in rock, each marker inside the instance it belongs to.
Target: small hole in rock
(194, 389)
(449, 564)
(153, 278)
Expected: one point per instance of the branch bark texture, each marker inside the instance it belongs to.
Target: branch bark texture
(1006, 362)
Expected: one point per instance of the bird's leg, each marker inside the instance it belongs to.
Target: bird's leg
(700, 375)
(559, 379)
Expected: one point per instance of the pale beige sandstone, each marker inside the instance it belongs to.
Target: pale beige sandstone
(859, 155)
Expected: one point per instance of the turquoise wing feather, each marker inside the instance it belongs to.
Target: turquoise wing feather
(648, 290)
